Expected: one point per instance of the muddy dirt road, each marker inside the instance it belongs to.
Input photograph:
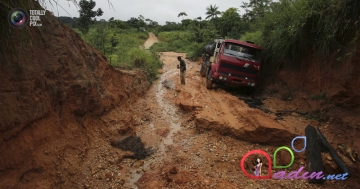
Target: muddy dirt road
(60, 121)
(201, 135)
(150, 41)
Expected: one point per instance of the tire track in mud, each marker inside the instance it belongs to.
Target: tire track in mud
(168, 112)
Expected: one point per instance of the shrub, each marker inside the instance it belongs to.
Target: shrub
(293, 27)
(253, 36)
(147, 60)
(195, 50)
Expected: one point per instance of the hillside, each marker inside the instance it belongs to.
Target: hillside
(54, 89)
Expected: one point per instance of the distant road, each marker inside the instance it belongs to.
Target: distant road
(150, 41)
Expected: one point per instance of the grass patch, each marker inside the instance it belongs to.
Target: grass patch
(140, 58)
(123, 48)
(175, 41)
(178, 41)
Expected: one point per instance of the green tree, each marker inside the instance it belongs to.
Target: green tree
(182, 14)
(256, 9)
(230, 24)
(141, 23)
(151, 23)
(133, 22)
(185, 22)
(86, 15)
(212, 12)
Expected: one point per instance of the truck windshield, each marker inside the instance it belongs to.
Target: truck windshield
(242, 52)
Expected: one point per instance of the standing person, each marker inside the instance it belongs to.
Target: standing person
(182, 68)
(257, 167)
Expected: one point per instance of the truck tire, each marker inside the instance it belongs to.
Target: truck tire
(250, 91)
(207, 71)
(209, 82)
(203, 69)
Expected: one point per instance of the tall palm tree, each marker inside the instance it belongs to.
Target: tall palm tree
(212, 12)
(182, 14)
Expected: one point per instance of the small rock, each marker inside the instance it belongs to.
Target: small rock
(173, 170)
(122, 182)
(139, 163)
(86, 186)
(109, 175)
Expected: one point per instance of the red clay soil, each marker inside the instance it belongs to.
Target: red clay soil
(61, 104)
(53, 98)
(213, 130)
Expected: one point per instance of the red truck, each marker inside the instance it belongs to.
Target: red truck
(234, 63)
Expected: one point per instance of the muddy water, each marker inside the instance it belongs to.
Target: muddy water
(169, 113)
(168, 110)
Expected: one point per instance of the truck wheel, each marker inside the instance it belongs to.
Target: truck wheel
(250, 91)
(209, 82)
(203, 70)
(207, 71)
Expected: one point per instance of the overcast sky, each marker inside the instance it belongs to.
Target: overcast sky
(157, 10)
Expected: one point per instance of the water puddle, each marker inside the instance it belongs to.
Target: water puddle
(168, 110)
(169, 113)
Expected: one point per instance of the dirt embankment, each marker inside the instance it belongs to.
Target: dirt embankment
(327, 90)
(328, 86)
(52, 99)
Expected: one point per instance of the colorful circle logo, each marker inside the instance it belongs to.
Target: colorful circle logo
(18, 18)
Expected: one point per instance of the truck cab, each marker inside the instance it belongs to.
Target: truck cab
(233, 63)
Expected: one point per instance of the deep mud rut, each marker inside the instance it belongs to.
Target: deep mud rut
(201, 135)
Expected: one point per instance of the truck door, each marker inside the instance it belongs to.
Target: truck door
(217, 51)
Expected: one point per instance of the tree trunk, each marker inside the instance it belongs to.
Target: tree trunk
(333, 153)
(313, 154)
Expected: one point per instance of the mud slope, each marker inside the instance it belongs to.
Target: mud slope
(328, 85)
(52, 97)
(220, 111)
(201, 136)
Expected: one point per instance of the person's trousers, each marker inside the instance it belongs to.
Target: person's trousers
(182, 77)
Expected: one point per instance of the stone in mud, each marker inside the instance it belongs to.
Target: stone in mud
(173, 170)
(187, 105)
(134, 145)
(139, 164)
(109, 175)
(169, 84)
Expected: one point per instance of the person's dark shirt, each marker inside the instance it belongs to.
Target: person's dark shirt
(182, 65)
